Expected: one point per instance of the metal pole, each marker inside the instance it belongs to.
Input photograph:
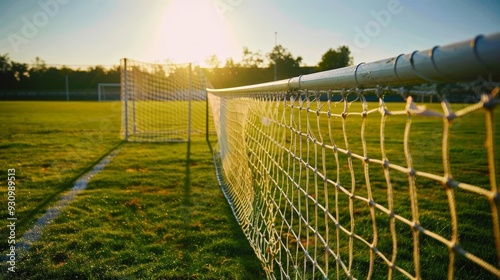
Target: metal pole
(207, 128)
(439, 64)
(275, 62)
(133, 103)
(125, 97)
(67, 88)
(189, 101)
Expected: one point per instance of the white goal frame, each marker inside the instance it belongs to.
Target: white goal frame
(162, 102)
(101, 92)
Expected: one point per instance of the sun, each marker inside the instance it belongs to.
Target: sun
(191, 31)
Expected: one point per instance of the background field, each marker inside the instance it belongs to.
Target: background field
(155, 211)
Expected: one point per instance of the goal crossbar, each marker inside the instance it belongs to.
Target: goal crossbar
(326, 184)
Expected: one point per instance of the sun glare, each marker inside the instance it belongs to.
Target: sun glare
(191, 31)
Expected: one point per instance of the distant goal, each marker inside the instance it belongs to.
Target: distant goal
(108, 91)
(162, 102)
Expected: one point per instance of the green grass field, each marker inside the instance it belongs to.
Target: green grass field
(156, 211)
(50, 144)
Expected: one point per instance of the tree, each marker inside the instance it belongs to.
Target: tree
(213, 61)
(230, 63)
(287, 65)
(20, 71)
(334, 59)
(39, 65)
(6, 75)
(4, 63)
(53, 79)
(251, 59)
(36, 73)
(113, 74)
(96, 74)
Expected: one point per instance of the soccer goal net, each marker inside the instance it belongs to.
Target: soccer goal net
(162, 102)
(352, 174)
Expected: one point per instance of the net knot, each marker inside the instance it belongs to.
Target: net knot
(489, 101)
(379, 91)
(457, 248)
(404, 92)
(392, 266)
(359, 92)
(496, 198)
(412, 171)
(450, 183)
(418, 227)
(451, 116)
(344, 94)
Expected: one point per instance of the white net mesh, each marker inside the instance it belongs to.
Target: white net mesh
(341, 183)
(324, 188)
(161, 102)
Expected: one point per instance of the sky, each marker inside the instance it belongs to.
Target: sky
(100, 32)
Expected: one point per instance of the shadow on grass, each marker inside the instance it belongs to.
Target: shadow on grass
(187, 178)
(187, 203)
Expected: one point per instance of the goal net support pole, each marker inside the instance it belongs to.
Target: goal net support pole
(326, 184)
(124, 99)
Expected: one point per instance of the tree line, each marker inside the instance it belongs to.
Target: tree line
(254, 67)
(276, 65)
(19, 76)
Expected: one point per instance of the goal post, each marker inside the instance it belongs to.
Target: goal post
(363, 187)
(108, 91)
(162, 102)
